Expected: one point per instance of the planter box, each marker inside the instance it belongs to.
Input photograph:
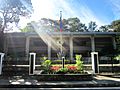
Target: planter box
(63, 77)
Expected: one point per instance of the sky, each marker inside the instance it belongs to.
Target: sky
(103, 12)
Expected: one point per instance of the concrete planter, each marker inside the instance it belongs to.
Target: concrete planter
(63, 77)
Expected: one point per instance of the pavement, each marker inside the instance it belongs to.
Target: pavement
(23, 82)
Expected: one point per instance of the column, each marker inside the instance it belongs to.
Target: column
(32, 59)
(71, 48)
(95, 62)
(27, 47)
(49, 50)
(114, 42)
(93, 43)
(1, 61)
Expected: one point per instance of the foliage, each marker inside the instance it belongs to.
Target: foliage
(46, 64)
(116, 25)
(12, 10)
(74, 25)
(78, 67)
(71, 25)
(62, 71)
(117, 57)
(72, 68)
(29, 27)
(43, 58)
(79, 62)
(55, 68)
(49, 25)
(104, 28)
(10, 13)
(92, 26)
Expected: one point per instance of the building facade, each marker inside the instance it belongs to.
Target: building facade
(50, 44)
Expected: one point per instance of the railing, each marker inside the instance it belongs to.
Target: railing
(23, 64)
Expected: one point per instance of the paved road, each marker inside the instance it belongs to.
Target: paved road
(96, 88)
(98, 83)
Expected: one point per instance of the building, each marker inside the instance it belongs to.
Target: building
(49, 44)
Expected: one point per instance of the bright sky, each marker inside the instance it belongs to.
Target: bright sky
(101, 11)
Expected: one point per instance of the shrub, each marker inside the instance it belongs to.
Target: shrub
(42, 59)
(72, 69)
(62, 71)
(55, 68)
(117, 57)
(79, 62)
(46, 64)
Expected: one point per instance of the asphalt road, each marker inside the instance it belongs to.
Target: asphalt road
(95, 88)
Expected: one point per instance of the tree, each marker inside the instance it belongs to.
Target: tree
(92, 26)
(116, 25)
(103, 28)
(49, 25)
(106, 28)
(10, 13)
(29, 27)
(44, 24)
(74, 25)
(82, 27)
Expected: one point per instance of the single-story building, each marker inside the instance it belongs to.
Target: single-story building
(49, 44)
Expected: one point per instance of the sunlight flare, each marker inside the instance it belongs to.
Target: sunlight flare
(46, 37)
